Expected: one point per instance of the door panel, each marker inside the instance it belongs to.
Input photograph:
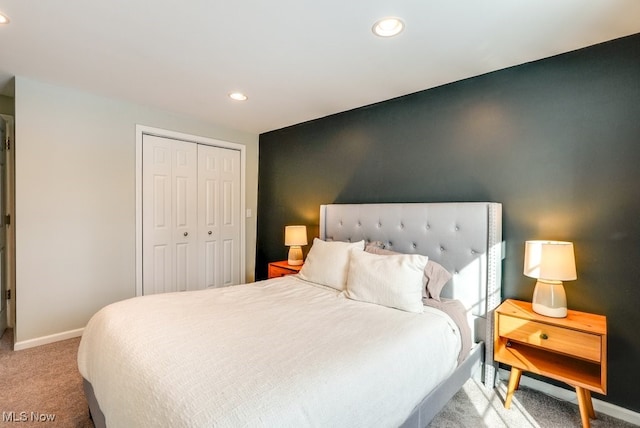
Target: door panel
(161, 207)
(211, 255)
(228, 262)
(208, 230)
(156, 211)
(230, 210)
(182, 267)
(191, 208)
(169, 215)
(218, 178)
(184, 197)
(227, 203)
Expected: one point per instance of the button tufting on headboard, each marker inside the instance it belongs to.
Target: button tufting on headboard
(453, 234)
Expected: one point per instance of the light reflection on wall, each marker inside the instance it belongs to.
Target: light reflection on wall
(488, 123)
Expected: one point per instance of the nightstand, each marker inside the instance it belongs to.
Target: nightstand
(572, 350)
(278, 269)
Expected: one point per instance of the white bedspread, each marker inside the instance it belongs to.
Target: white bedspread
(276, 353)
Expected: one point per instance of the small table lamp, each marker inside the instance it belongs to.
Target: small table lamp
(294, 237)
(550, 262)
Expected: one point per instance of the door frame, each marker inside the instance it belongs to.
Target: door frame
(141, 131)
(9, 208)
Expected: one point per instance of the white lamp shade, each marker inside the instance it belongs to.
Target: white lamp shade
(550, 260)
(295, 235)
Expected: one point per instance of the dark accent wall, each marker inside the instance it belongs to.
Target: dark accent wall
(556, 141)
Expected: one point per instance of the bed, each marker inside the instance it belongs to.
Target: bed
(300, 351)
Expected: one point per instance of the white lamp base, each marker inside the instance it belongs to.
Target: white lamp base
(295, 255)
(549, 299)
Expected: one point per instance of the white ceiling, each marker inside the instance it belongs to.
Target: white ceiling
(297, 60)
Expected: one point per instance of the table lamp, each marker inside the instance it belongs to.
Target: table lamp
(294, 237)
(550, 262)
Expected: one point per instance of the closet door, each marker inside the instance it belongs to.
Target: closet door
(218, 216)
(169, 213)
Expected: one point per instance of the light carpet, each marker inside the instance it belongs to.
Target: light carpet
(41, 386)
(475, 406)
(44, 381)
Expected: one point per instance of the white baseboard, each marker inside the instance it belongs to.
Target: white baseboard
(31, 343)
(570, 396)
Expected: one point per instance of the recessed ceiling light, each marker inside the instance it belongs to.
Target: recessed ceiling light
(4, 19)
(238, 96)
(388, 27)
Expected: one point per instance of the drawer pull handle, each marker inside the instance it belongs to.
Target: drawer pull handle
(544, 336)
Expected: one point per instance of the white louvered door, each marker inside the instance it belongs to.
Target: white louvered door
(186, 194)
(218, 216)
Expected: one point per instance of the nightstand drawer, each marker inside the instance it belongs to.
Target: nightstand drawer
(277, 271)
(570, 342)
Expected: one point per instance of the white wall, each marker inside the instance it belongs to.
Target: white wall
(75, 203)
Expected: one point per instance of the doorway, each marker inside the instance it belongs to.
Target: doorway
(191, 256)
(7, 271)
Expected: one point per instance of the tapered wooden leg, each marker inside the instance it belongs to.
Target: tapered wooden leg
(592, 413)
(514, 382)
(589, 403)
(585, 405)
(517, 385)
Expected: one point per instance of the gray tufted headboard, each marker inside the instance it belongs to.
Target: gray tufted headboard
(464, 237)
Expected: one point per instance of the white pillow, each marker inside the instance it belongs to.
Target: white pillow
(389, 280)
(328, 262)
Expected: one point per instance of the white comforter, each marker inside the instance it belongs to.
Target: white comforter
(276, 353)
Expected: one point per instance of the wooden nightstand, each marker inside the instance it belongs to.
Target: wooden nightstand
(278, 269)
(572, 350)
